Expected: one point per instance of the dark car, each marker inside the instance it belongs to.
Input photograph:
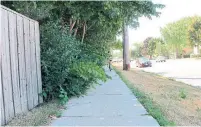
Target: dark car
(143, 62)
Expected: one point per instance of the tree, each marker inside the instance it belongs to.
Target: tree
(87, 29)
(175, 34)
(136, 51)
(152, 46)
(194, 32)
(146, 45)
(117, 45)
(161, 48)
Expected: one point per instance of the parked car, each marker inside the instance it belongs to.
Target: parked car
(143, 62)
(160, 59)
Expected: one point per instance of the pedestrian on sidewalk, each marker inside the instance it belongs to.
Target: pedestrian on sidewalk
(110, 64)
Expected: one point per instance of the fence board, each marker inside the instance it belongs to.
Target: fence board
(20, 74)
(14, 63)
(27, 63)
(1, 82)
(33, 64)
(22, 71)
(1, 97)
(37, 37)
(6, 70)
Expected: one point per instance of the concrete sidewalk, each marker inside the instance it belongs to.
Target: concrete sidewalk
(110, 104)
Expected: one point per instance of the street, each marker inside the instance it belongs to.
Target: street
(184, 70)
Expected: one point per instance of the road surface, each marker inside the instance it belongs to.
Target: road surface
(184, 70)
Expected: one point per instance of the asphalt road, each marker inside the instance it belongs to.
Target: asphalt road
(184, 70)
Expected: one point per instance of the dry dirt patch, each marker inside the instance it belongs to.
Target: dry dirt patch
(39, 116)
(179, 102)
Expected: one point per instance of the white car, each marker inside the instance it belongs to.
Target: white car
(160, 59)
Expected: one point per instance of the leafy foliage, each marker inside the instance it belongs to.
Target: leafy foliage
(149, 46)
(162, 49)
(76, 38)
(117, 45)
(152, 46)
(194, 32)
(64, 74)
(136, 51)
(175, 34)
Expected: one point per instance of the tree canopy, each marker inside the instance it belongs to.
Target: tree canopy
(175, 34)
(194, 31)
(76, 37)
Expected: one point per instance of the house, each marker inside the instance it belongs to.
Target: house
(186, 52)
(196, 50)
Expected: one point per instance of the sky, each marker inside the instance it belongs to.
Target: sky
(174, 10)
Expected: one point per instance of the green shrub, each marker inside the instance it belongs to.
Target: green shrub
(82, 76)
(195, 56)
(182, 94)
(67, 68)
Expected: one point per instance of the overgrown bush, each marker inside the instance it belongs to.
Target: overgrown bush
(96, 27)
(66, 71)
(95, 53)
(82, 76)
(195, 56)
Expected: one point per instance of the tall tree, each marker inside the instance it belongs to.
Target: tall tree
(152, 46)
(145, 49)
(194, 32)
(161, 48)
(136, 51)
(175, 34)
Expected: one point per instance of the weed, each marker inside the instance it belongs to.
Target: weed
(182, 94)
(63, 96)
(58, 114)
(198, 109)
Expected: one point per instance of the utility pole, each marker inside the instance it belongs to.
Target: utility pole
(126, 61)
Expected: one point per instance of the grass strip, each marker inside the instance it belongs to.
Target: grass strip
(147, 102)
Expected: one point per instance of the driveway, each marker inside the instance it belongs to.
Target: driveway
(184, 70)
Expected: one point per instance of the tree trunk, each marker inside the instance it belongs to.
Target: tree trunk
(84, 30)
(71, 27)
(177, 53)
(75, 32)
(126, 61)
(198, 49)
(150, 57)
(77, 25)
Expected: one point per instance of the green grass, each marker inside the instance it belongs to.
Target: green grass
(39, 116)
(153, 109)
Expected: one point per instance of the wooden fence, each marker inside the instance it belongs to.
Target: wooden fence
(20, 74)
